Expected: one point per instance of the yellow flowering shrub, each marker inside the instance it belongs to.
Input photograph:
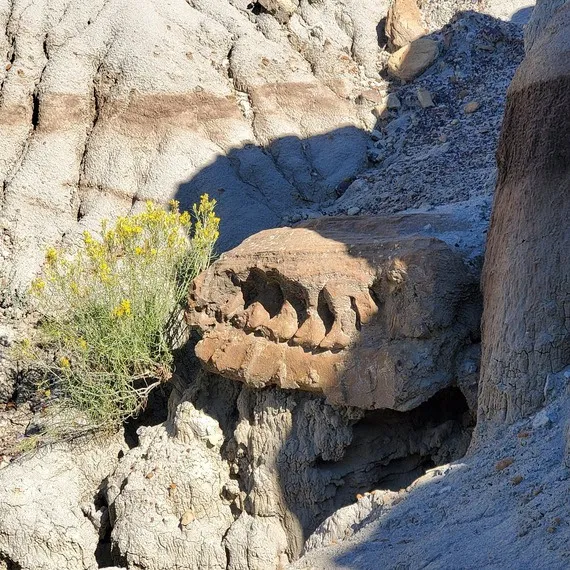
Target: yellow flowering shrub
(111, 310)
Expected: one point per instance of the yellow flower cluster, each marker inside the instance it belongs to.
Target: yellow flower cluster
(126, 229)
(206, 230)
(123, 309)
(91, 299)
(38, 285)
(51, 255)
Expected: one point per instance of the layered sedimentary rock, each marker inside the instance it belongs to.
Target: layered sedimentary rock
(527, 276)
(104, 104)
(367, 311)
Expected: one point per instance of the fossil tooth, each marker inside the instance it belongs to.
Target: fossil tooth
(284, 325)
(257, 316)
(336, 339)
(310, 333)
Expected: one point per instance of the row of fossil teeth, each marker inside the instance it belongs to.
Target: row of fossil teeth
(284, 327)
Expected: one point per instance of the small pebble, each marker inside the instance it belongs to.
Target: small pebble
(187, 518)
(392, 101)
(504, 463)
(541, 420)
(471, 107)
(424, 98)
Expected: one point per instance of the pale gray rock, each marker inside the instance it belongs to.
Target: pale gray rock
(525, 325)
(348, 520)
(470, 514)
(167, 496)
(49, 520)
(253, 473)
(256, 543)
(542, 14)
(107, 103)
(300, 459)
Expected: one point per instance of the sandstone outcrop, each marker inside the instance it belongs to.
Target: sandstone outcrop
(404, 23)
(413, 59)
(526, 275)
(364, 310)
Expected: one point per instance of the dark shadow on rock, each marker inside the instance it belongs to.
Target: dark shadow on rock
(258, 188)
(522, 16)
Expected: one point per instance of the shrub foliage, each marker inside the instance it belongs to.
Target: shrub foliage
(111, 311)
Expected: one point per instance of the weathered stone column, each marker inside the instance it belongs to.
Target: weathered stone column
(526, 276)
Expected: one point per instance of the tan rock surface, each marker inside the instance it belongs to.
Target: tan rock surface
(404, 23)
(413, 59)
(364, 310)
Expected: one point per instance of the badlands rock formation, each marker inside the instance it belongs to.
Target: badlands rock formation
(526, 278)
(269, 157)
(239, 478)
(57, 494)
(106, 103)
(504, 506)
(367, 311)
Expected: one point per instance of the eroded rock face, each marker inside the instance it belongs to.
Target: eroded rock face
(50, 517)
(526, 275)
(300, 459)
(239, 478)
(367, 311)
(167, 499)
(542, 13)
(104, 104)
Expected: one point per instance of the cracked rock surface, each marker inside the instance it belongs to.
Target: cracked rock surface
(503, 506)
(239, 478)
(51, 516)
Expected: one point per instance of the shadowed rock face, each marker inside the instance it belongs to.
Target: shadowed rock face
(527, 275)
(367, 311)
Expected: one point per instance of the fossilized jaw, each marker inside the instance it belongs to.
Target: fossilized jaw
(313, 316)
(263, 326)
(374, 323)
